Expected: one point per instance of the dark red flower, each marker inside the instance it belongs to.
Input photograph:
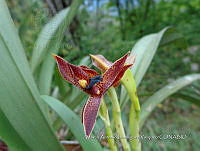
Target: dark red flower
(92, 83)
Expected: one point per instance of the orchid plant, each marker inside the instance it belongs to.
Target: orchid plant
(28, 89)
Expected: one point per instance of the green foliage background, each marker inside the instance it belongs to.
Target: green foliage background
(102, 29)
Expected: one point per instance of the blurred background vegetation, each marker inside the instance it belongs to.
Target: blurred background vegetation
(111, 28)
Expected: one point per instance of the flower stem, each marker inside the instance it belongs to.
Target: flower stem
(134, 121)
(134, 129)
(117, 118)
(134, 115)
(105, 117)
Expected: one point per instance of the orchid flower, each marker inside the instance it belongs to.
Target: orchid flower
(93, 84)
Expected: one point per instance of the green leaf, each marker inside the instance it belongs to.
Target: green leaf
(23, 124)
(144, 50)
(163, 93)
(47, 42)
(15, 142)
(190, 97)
(173, 36)
(64, 18)
(45, 38)
(73, 122)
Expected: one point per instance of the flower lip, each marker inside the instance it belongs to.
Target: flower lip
(93, 81)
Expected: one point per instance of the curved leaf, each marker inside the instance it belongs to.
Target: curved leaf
(173, 36)
(46, 36)
(15, 142)
(21, 109)
(73, 122)
(47, 68)
(145, 49)
(163, 93)
(191, 97)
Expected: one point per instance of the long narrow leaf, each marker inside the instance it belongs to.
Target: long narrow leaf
(163, 93)
(20, 102)
(7, 132)
(190, 97)
(47, 68)
(73, 122)
(145, 49)
(45, 37)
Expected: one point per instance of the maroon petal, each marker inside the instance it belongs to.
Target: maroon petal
(91, 73)
(120, 75)
(111, 74)
(89, 114)
(70, 72)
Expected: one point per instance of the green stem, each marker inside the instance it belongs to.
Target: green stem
(128, 82)
(117, 118)
(134, 129)
(105, 117)
(134, 122)
(134, 115)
